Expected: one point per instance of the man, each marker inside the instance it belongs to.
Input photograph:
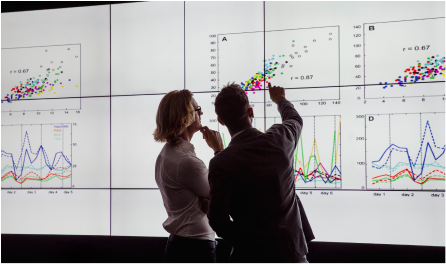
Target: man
(252, 182)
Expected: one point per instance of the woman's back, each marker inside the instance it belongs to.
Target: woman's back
(183, 182)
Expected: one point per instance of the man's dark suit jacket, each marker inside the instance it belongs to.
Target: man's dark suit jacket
(252, 182)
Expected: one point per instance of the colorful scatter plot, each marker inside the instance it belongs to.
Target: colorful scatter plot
(430, 70)
(256, 81)
(270, 65)
(31, 87)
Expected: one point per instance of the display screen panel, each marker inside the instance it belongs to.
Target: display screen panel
(79, 110)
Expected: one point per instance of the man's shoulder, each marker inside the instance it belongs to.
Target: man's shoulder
(235, 150)
(224, 157)
(220, 157)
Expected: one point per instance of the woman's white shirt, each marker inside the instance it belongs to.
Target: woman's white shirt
(183, 180)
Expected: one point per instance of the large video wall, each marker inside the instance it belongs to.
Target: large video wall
(80, 88)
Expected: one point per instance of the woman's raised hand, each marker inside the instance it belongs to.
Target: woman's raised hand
(213, 138)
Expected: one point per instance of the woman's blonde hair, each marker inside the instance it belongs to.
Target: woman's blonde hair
(174, 108)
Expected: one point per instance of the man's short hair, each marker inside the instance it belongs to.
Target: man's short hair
(172, 110)
(231, 104)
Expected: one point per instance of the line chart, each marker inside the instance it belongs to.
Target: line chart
(43, 156)
(413, 158)
(317, 159)
(321, 169)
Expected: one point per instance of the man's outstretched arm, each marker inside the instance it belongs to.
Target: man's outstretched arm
(290, 117)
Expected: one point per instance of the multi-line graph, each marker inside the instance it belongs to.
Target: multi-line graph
(405, 151)
(317, 158)
(399, 64)
(288, 58)
(44, 72)
(36, 156)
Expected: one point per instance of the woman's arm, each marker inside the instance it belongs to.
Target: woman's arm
(194, 175)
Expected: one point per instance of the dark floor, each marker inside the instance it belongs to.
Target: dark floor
(51, 248)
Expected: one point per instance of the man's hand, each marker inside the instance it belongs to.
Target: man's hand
(213, 138)
(276, 93)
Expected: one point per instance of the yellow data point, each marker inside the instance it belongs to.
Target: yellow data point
(76, 86)
(54, 92)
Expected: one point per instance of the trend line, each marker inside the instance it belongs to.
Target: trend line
(304, 174)
(412, 165)
(224, 143)
(26, 153)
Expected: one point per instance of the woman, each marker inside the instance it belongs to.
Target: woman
(183, 179)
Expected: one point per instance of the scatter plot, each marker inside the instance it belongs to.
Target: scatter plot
(431, 69)
(294, 59)
(40, 73)
(404, 65)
